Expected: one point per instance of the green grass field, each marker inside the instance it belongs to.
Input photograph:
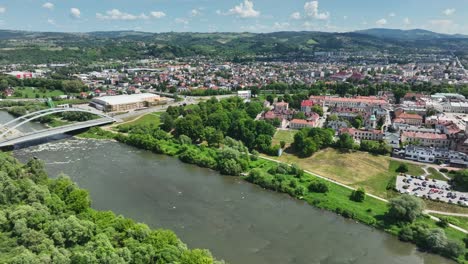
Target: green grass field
(455, 220)
(284, 135)
(152, 118)
(434, 174)
(30, 92)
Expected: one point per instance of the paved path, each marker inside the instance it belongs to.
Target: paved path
(374, 196)
(445, 213)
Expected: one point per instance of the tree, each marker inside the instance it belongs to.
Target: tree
(403, 168)
(405, 208)
(345, 141)
(167, 122)
(299, 115)
(461, 179)
(212, 136)
(357, 122)
(191, 126)
(317, 109)
(318, 187)
(358, 195)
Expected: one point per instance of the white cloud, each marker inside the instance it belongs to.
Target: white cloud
(281, 26)
(381, 22)
(406, 21)
(392, 14)
(181, 21)
(195, 12)
(296, 16)
(311, 10)
(244, 10)
(449, 11)
(445, 26)
(51, 21)
(2, 9)
(158, 14)
(75, 12)
(48, 5)
(345, 17)
(116, 14)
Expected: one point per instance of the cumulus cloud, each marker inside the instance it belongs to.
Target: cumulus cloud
(312, 10)
(381, 22)
(445, 26)
(406, 21)
(75, 12)
(51, 21)
(157, 14)
(281, 25)
(2, 9)
(244, 10)
(195, 12)
(116, 14)
(392, 14)
(181, 21)
(296, 16)
(449, 11)
(48, 5)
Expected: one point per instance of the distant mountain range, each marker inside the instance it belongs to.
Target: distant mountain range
(39, 47)
(411, 34)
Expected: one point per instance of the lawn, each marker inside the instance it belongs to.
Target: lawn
(151, 118)
(434, 174)
(284, 135)
(455, 220)
(30, 92)
(356, 169)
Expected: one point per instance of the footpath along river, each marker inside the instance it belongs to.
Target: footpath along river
(239, 222)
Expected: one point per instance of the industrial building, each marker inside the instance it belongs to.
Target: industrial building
(121, 103)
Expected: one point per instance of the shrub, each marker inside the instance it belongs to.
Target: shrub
(318, 187)
(444, 170)
(358, 195)
(403, 168)
(443, 222)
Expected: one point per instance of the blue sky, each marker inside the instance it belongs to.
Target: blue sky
(446, 16)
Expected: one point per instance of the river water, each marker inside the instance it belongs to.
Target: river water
(239, 222)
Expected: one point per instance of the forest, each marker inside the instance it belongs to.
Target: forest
(44, 220)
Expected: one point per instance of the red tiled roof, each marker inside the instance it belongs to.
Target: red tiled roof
(423, 135)
(301, 121)
(307, 103)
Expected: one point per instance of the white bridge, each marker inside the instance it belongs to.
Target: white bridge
(9, 134)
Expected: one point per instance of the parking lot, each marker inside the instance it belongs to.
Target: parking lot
(430, 189)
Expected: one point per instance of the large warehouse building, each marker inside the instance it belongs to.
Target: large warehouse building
(121, 103)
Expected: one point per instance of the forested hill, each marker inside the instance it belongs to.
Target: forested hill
(50, 221)
(46, 47)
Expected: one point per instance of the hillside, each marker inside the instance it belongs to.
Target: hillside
(44, 47)
(412, 34)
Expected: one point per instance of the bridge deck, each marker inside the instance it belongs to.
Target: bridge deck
(53, 131)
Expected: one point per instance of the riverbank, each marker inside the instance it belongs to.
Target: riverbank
(371, 211)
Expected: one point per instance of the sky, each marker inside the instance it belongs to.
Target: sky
(444, 16)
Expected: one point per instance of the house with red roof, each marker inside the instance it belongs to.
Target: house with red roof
(306, 106)
(301, 123)
(426, 139)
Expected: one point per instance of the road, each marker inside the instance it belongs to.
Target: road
(368, 194)
(54, 131)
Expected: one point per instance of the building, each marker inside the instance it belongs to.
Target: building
(363, 134)
(126, 102)
(425, 139)
(433, 155)
(301, 123)
(306, 106)
(408, 119)
(358, 101)
(244, 94)
(281, 106)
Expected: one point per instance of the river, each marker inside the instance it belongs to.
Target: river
(239, 222)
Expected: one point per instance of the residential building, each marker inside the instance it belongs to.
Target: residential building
(301, 123)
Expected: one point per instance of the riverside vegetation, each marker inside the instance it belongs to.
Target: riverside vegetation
(222, 135)
(45, 220)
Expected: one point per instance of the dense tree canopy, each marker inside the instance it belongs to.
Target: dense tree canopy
(50, 221)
